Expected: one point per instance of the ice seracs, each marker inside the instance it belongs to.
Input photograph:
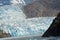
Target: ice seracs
(18, 1)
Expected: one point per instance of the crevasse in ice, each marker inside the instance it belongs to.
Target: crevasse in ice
(13, 21)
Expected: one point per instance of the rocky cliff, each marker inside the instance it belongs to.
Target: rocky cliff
(41, 8)
(54, 29)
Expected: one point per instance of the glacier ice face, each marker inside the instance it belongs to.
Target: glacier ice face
(10, 14)
(23, 2)
(13, 21)
(18, 1)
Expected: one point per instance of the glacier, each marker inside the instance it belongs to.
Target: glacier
(13, 21)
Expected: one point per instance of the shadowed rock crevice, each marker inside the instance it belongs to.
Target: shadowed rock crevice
(3, 34)
(54, 29)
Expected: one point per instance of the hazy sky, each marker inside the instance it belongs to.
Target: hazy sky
(4, 2)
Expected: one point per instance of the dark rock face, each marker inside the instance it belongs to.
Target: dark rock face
(2, 35)
(54, 4)
(41, 8)
(54, 29)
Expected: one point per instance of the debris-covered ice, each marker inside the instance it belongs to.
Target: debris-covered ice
(13, 21)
